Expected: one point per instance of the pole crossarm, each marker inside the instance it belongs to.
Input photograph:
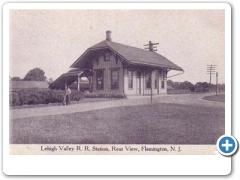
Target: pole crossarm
(151, 46)
(211, 70)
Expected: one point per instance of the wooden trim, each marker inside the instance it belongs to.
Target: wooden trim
(114, 55)
(116, 68)
(146, 64)
(101, 69)
(107, 54)
(78, 83)
(122, 58)
(92, 78)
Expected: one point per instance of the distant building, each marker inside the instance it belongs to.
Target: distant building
(114, 67)
(14, 85)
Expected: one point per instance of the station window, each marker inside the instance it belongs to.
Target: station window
(156, 81)
(148, 80)
(130, 79)
(115, 79)
(100, 79)
(162, 81)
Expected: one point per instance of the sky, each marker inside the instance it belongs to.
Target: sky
(53, 39)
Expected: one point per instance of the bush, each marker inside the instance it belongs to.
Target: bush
(14, 99)
(38, 96)
(104, 95)
(192, 88)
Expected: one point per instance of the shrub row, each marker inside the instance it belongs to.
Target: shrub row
(38, 96)
(104, 95)
(35, 96)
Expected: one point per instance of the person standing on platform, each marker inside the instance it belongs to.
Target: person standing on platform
(68, 92)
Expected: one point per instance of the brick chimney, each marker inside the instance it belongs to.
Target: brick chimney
(108, 36)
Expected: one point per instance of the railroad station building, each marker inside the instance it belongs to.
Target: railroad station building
(115, 67)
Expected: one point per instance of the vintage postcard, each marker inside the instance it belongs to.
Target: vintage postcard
(111, 80)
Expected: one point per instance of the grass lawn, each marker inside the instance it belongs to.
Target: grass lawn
(143, 124)
(220, 98)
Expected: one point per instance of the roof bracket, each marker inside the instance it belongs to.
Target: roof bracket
(176, 74)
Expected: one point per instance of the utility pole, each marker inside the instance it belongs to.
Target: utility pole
(151, 47)
(211, 69)
(217, 83)
(151, 88)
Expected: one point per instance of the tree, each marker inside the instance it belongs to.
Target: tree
(35, 74)
(202, 87)
(15, 78)
(50, 80)
(192, 88)
(185, 85)
(180, 85)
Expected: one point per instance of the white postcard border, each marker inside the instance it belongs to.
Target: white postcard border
(114, 164)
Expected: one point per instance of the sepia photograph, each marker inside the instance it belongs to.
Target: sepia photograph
(113, 79)
(118, 89)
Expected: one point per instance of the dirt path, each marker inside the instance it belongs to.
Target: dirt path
(189, 99)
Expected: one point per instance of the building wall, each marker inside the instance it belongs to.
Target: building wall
(100, 64)
(143, 89)
(107, 66)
